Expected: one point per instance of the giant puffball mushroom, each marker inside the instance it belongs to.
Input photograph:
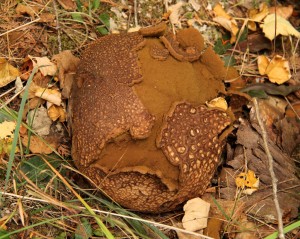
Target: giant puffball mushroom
(140, 130)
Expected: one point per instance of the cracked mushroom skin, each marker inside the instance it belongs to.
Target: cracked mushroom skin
(140, 130)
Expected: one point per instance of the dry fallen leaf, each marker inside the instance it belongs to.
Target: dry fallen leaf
(218, 102)
(226, 21)
(6, 129)
(8, 73)
(39, 121)
(57, 112)
(46, 67)
(257, 15)
(67, 64)
(51, 95)
(285, 12)
(25, 9)
(175, 11)
(277, 69)
(248, 182)
(68, 4)
(6, 136)
(195, 214)
(37, 146)
(282, 27)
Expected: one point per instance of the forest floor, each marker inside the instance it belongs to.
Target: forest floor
(43, 195)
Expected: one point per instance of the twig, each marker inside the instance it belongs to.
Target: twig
(19, 27)
(271, 169)
(135, 13)
(57, 26)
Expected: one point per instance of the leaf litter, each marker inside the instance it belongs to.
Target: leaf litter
(244, 152)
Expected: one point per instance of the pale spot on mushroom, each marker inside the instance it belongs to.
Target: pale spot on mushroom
(181, 150)
(192, 110)
(192, 133)
(191, 156)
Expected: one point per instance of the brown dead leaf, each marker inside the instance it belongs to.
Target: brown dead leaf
(285, 12)
(226, 21)
(57, 112)
(8, 73)
(68, 4)
(46, 67)
(277, 69)
(281, 25)
(37, 146)
(25, 9)
(47, 17)
(67, 64)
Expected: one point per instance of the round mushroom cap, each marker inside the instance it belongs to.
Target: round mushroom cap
(140, 130)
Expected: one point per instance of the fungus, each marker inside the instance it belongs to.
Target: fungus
(130, 137)
(191, 48)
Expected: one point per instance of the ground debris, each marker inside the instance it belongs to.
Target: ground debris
(260, 204)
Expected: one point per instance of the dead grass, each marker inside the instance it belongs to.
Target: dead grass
(62, 203)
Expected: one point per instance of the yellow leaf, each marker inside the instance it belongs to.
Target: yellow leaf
(6, 136)
(282, 27)
(218, 102)
(8, 73)
(226, 21)
(220, 12)
(46, 67)
(257, 16)
(57, 112)
(277, 69)
(7, 129)
(248, 182)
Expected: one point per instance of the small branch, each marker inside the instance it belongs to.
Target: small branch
(271, 169)
(135, 13)
(57, 26)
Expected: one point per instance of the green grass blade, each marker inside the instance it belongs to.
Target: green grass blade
(285, 230)
(17, 130)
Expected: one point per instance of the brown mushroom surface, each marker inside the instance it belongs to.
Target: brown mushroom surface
(140, 129)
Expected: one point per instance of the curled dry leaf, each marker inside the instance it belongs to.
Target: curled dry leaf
(8, 73)
(226, 21)
(57, 112)
(39, 121)
(195, 214)
(46, 67)
(51, 95)
(277, 69)
(37, 146)
(281, 25)
(257, 15)
(285, 12)
(68, 4)
(248, 182)
(67, 64)
(218, 102)
(25, 9)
